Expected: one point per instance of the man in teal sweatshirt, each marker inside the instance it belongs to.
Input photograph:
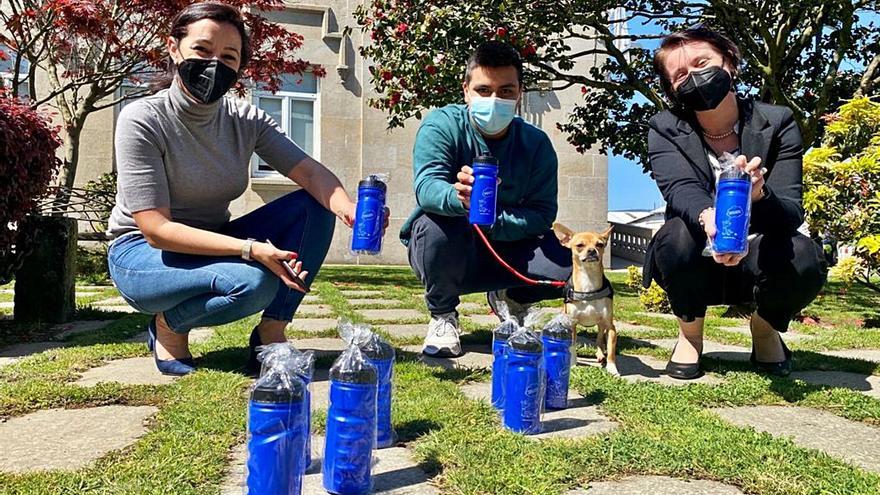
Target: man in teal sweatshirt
(443, 250)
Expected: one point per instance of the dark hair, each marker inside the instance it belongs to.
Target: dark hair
(701, 32)
(216, 11)
(494, 53)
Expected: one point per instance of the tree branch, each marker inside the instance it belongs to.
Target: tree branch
(867, 82)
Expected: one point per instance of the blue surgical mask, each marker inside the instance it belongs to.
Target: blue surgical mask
(491, 114)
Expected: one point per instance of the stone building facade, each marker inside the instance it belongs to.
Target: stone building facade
(331, 118)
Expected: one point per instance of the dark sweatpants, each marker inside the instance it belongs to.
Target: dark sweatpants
(451, 260)
(781, 274)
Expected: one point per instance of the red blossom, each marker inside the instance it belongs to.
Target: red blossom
(402, 28)
(501, 32)
(387, 75)
(431, 69)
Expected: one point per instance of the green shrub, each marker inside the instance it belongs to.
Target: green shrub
(91, 265)
(634, 277)
(654, 299)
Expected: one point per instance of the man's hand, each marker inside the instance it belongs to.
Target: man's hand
(464, 185)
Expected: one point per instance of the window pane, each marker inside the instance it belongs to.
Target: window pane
(296, 83)
(302, 124)
(273, 107)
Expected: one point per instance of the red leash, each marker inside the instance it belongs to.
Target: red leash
(530, 281)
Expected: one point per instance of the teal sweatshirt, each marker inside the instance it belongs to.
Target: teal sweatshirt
(528, 167)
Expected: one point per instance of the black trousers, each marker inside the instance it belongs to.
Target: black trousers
(781, 274)
(448, 257)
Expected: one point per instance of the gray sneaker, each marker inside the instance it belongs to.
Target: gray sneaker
(516, 310)
(443, 336)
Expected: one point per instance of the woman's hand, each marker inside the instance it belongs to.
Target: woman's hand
(272, 258)
(707, 219)
(756, 172)
(347, 214)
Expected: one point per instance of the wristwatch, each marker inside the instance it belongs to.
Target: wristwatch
(246, 249)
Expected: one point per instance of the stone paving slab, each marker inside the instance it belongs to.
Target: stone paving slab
(119, 309)
(394, 472)
(787, 336)
(95, 287)
(311, 299)
(581, 419)
(410, 330)
(848, 440)
(473, 307)
(872, 355)
(315, 309)
(87, 294)
(657, 485)
(866, 384)
(665, 316)
(77, 327)
(322, 347)
(68, 438)
(711, 349)
(358, 293)
(313, 324)
(623, 326)
(200, 335)
(7, 305)
(113, 301)
(132, 371)
(475, 356)
(649, 369)
(392, 314)
(11, 354)
(359, 303)
(483, 320)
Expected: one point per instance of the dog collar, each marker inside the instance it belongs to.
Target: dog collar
(572, 295)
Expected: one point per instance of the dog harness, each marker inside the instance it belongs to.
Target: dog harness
(572, 295)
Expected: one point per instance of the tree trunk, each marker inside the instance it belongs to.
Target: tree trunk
(67, 177)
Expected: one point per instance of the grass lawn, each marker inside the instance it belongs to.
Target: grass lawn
(662, 430)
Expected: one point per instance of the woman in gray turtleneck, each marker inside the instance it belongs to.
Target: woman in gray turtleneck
(182, 156)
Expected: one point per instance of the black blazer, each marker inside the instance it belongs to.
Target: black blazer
(679, 164)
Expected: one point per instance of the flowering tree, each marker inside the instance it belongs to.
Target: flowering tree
(842, 187)
(794, 55)
(89, 48)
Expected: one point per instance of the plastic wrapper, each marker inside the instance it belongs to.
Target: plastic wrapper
(277, 433)
(351, 420)
(525, 382)
(500, 336)
(381, 354)
(557, 337)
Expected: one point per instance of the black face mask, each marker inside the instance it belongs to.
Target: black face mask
(206, 79)
(704, 89)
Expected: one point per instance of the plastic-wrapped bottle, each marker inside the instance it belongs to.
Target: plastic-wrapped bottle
(381, 355)
(303, 365)
(557, 338)
(276, 439)
(500, 336)
(524, 383)
(351, 425)
(733, 202)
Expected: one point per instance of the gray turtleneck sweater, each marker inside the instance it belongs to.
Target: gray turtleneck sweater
(191, 157)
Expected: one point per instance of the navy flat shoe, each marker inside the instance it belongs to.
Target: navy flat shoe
(782, 368)
(172, 367)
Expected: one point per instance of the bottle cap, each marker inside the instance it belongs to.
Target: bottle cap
(276, 393)
(374, 182)
(486, 160)
(363, 375)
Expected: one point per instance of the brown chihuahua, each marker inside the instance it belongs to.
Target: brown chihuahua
(588, 294)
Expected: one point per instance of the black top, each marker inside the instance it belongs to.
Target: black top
(276, 393)
(681, 168)
(374, 182)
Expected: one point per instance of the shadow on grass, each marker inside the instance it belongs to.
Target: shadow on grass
(415, 428)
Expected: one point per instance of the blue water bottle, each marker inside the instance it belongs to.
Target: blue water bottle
(276, 412)
(732, 211)
(484, 191)
(499, 360)
(369, 218)
(524, 384)
(381, 355)
(351, 428)
(557, 340)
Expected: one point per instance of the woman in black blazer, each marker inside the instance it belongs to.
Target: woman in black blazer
(783, 270)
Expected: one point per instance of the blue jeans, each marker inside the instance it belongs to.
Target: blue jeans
(195, 291)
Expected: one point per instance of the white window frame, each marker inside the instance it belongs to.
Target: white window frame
(6, 77)
(286, 97)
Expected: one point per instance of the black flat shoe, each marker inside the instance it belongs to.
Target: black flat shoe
(683, 371)
(782, 368)
(253, 364)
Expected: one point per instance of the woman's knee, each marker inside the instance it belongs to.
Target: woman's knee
(255, 286)
(675, 247)
(809, 264)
